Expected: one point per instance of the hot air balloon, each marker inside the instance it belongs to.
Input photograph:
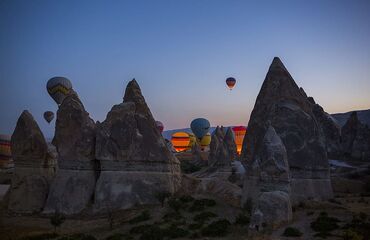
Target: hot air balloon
(58, 88)
(180, 141)
(160, 126)
(205, 141)
(192, 139)
(5, 151)
(239, 133)
(48, 116)
(200, 127)
(230, 82)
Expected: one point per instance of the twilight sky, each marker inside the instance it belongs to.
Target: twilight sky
(180, 52)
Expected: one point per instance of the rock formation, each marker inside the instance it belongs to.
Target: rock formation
(33, 170)
(356, 139)
(330, 129)
(287, 108)
(197, 159)
(135, 161)
(267, 183)
(219, 159)
(230, 143)
(73, 187)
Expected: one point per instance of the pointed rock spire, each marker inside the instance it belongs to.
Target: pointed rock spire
(286, 107)
(230, 143)
(33, 173)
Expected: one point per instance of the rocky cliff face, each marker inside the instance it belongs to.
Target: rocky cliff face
(331, 130)
(134, 158)
(356, 139)
(287, 108)
(73, 187)
(33, 168)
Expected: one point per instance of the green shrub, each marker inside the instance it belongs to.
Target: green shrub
(44, 236)
(152, 232)
(350, 234)
(247, 206)
(242, 219)
(79, 236)
(119, 236)
(175, 204)
(201, 204)
(143, 216)
(139, 229)
(218, 228)
(162, 196)
(292, 232)
(186, 199)
(172, 216)
(175, 232)
(195, 226)
(204, 216)
(324, 223)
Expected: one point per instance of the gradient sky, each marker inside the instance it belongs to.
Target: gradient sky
(180, 52)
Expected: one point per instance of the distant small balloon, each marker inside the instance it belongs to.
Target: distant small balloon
(58, 88)
(230, 82)
(48, 116)
(160, 126)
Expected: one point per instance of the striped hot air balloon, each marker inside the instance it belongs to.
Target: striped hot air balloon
(58, 88)
(180, 141)
(5, 151)
(239, 133)
(230, 82)
(48, 116)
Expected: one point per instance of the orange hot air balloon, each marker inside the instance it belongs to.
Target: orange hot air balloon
(5, 151)
(239, 133)
(230, 82)
(180, 141)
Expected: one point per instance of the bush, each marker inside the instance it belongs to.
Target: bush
(218, 228)
(175, 232)
(44, 236)
(57, 220)
(242, 219)
(119, 236)
(324, 223)
(139, 229)
(204, 216)
(79, 236)
(186, 199)
(350, 234)
(152, 232)
(172, 216)
(175, 204)
(292, 232)
(195, 226)
(248, 205)
(162, 196)
(201, 204)
(144, 216)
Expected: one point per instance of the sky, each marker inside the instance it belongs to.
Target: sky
(180, 52)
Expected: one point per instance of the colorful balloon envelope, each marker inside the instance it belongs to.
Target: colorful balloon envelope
(239, 133)
(205, 141)
(200, 127)
(5, 150)
(180, 141)
(160, 126)
(58, 88)
(230, 82)
(48, 116)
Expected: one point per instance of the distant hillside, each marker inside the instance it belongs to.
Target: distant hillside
(363, 116)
